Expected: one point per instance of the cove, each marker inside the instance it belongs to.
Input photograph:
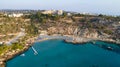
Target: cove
(57, 53)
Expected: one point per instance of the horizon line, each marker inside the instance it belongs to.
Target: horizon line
(94, 13)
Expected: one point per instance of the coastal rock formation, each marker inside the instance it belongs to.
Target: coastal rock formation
(88, 34)
(73, 31)
(61, 30)
(81, 28)
(80, 35)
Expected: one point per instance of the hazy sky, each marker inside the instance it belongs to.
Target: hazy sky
(92, 6)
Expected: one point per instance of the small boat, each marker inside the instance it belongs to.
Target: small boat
(109, 48)
(22, 55)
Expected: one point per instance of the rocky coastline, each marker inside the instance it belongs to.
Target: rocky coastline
(76, 29)
(15, 53)
(3, 62)
(66, 38)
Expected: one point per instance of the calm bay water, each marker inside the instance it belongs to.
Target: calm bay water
(57, 53)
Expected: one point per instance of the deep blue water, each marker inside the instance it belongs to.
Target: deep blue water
(57, 53)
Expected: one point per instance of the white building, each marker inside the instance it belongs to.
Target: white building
(15, 15)
(48, 12)
(69, 14)
(58, 12)
(1, 43)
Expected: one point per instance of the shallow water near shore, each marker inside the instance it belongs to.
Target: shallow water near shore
(57, 53)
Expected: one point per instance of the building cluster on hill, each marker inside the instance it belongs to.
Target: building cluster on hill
(59, 12)
(14, 15)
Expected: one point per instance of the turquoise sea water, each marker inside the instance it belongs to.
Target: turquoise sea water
(57, 53)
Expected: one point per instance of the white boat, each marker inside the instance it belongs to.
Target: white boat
(22, 55)
(110, 48)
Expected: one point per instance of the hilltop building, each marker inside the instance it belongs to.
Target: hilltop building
(14, 15)
(58, 12)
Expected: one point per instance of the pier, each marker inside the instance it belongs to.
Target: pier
(35, 52)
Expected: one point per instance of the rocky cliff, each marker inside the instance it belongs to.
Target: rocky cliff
(80, 35)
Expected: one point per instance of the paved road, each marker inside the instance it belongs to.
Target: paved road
(22, 33)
